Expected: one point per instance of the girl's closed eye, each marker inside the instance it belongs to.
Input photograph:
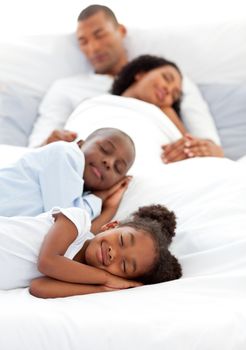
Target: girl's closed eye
(123, 266)
(121, 241)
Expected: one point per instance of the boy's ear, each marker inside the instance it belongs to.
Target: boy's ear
(110, 225)
(80, 143)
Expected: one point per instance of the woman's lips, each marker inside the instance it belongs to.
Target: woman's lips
(160, 93)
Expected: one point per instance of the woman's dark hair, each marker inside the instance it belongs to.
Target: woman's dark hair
(160, 223)
(144, 63)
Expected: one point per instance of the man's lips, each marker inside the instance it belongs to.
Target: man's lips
(99, 58)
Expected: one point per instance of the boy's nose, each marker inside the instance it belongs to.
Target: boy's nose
(107, 164)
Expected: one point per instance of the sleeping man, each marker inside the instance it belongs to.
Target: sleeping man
(101, 40)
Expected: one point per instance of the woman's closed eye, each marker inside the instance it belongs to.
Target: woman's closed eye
(168, 77)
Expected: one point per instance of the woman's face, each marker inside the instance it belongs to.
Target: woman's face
(122, 251)
(161, 86)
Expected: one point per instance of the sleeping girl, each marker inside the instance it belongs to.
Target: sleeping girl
(56, 255)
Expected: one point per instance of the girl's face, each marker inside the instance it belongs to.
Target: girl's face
(122, 251)
(161, 86)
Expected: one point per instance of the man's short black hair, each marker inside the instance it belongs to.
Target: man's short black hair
(93, 9)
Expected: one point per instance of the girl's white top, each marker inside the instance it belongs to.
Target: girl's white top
(21, 238)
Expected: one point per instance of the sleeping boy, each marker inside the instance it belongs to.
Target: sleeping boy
(57, 175)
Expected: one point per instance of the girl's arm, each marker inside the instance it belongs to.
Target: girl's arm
(53, 263)
(172, 115)
(46, 287)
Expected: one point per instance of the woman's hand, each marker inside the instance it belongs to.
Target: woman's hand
(174, 152)
(190, 147)
(60, 135)
(195, 147)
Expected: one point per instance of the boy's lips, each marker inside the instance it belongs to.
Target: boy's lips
(96, 171)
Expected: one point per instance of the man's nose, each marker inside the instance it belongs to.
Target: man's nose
(93, 46)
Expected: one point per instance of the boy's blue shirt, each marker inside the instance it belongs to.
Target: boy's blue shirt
(44, 178)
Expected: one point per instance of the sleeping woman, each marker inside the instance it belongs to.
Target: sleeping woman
(158, 81)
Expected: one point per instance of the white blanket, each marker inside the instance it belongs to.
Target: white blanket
(204, 310)
(147, 125)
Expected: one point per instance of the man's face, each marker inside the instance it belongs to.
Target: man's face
(107, 160)
(101, 40)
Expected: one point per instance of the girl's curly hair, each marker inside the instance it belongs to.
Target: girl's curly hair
(143, 63)
(160, 224)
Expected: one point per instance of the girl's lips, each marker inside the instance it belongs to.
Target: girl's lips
(99, 255)
(104, 254)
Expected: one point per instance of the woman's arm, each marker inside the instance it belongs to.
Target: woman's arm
(172, 115)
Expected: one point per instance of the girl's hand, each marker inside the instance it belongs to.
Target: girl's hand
(115, 282)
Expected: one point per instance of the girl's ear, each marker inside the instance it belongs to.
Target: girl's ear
(80, 143)
(110, 225)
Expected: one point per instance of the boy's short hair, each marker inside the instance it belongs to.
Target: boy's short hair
(105, 131)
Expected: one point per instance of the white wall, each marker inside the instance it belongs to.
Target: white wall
(19, 17)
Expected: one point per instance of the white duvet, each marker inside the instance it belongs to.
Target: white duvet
(204, 310)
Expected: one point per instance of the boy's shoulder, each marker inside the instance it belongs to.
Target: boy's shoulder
(62, 148)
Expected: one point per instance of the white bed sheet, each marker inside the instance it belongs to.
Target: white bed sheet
(205, 310)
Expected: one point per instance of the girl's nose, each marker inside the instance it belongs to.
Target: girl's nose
(111, 254)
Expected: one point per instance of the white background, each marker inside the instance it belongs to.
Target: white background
(19, 17)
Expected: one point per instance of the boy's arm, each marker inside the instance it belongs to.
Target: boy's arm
(110, 204)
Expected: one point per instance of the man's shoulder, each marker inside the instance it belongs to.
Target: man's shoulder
(82, 79)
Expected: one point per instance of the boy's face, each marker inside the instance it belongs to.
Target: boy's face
(122, 251)
(107, 160)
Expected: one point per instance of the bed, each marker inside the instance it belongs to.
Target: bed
(205, 309)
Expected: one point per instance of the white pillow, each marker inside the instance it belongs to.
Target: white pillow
(206, 53)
